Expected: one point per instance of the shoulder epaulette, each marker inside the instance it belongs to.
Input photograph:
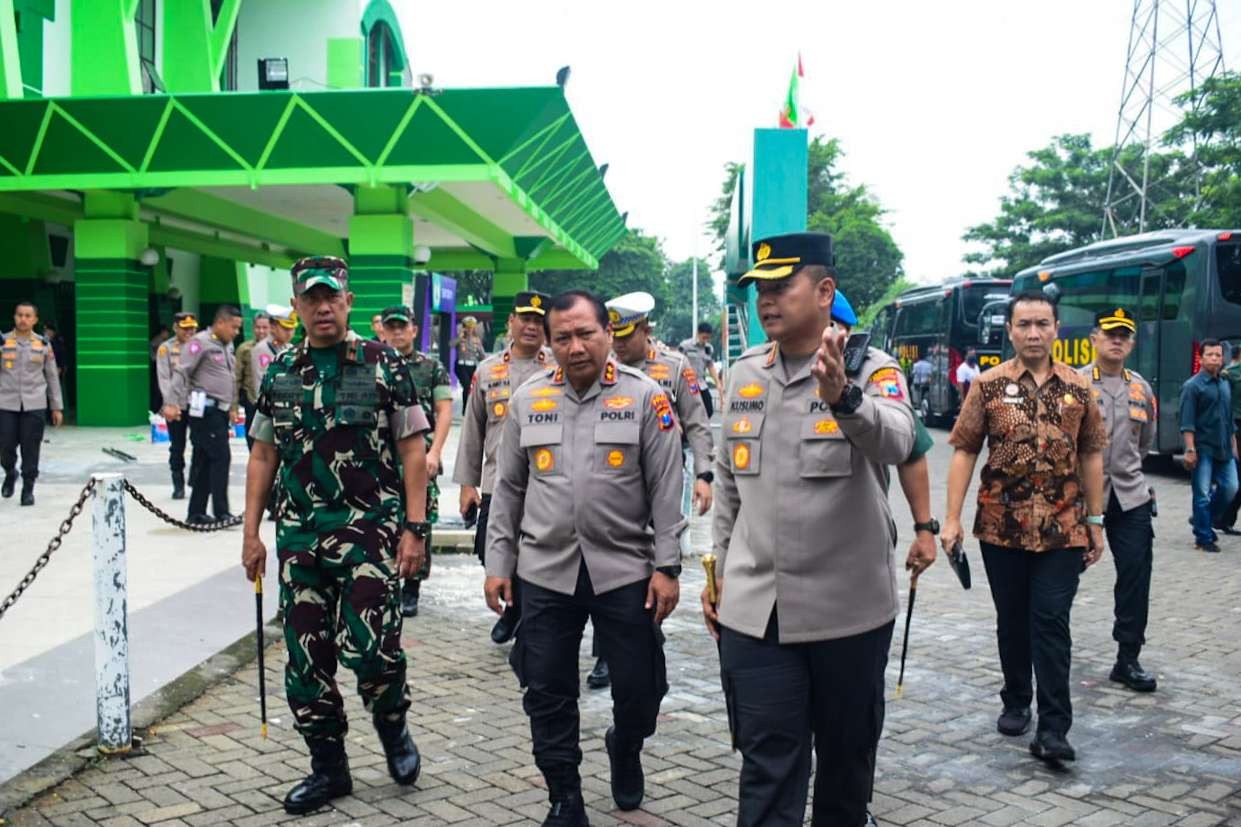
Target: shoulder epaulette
(758, 350)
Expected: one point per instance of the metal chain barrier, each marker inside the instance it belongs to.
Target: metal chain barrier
(65, 526)
(171, 520)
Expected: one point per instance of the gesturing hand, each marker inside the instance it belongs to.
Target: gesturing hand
(829, 365)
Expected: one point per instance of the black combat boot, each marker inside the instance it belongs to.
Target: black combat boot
(404, 762)
(409, 597)
(599, 677)
(564, 789)
(329, 777)
(178, 485)
(27, 492)
(625, 759)
(10, 483)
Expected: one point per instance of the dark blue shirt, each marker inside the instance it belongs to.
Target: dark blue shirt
(1206, 409)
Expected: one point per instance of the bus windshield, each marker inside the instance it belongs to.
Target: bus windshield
(974, 297)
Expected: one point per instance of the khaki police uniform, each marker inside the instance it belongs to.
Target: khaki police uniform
(206, 367)
(803, 535)
(167, 361)
(29, 385)
(1128, 407)
(586, 505)
(681, 382)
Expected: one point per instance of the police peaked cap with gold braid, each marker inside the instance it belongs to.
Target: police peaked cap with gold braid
(1118, 319)
(531, 301)
(627, 311)
(184, 320)
(283, 315)
(780, 256)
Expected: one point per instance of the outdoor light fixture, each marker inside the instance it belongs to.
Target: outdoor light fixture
(422, 254)
(425, 80)
(562, 76)
(273, 73)
(149, 257)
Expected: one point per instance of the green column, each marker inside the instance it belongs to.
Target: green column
(104, 48)
(111, 309)
(381, 252)
(509, 279)
(10, 57)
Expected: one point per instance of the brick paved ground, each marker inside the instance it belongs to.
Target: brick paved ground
(1169, 758)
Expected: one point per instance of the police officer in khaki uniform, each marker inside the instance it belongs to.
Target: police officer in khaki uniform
(29, 385)
(205, 378)
(587, 512)
(804, 539)
(167, 358)
(1128, 407)
(495, 381)
(283, 324)
(243, 360)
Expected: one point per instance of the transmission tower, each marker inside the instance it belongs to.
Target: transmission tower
(1174, 47)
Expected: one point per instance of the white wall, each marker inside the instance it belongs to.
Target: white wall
(185, 270)
(268, 286)
(296, 29)
(56, 53)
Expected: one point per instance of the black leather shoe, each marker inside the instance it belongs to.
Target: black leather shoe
(178, 485)
(1229, 530)
(1014, 721)
(409, 598)
(10, 484)
(225, 517)
(599, 677)
(27, 492)
(505, 627)
(1132, 675)
(404, 762)
(199, 519)
(567, 811)
(1211, 547)
(625, 759)
(1052, 747)
(329, 778)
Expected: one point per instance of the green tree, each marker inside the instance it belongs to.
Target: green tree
(636, 262)
(673, 322)
(1055, 203)
(1211, 130)
(868, 258)
(865, 320)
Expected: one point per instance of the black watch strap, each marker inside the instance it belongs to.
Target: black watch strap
(931, 525)
(669, 571)
(850, 400)
(419, 528)
(707, 476)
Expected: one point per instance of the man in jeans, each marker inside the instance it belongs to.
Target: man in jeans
(1210, 443)
(1040, 514)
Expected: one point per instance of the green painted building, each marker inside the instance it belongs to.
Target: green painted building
(143, 170)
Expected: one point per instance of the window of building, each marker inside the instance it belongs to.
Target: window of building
(144, 24)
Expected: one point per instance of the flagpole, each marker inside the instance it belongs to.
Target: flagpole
(693, 322)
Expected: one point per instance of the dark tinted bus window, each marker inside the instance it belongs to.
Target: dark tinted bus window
(1083, 294)
(972, 300)
(1173, 288)
(918, 319)
(1228, 263)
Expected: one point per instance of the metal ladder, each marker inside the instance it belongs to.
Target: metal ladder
(737, 341)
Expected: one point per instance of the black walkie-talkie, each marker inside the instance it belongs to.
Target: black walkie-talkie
(855, 352)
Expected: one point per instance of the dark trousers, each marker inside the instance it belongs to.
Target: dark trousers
(250, 410)
(209, 469)
(177, 431)
(1033, 593)
(512, 612)
(21, 429)
(707, 401)
(787, 699)
(1130, 536)
(545, 659)
(465, 376)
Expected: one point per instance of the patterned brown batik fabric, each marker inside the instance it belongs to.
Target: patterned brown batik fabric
(1030, 494)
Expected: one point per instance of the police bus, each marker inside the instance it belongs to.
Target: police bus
(940, 323)
(1183, 285)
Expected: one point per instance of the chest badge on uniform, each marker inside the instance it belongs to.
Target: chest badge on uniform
(743, 425)
(741, 456)
(750, 391)
(826, 426)
(498, 409)
(543, 460)
(618, 403)
(544, 405)
(546, 392)
(616, 458)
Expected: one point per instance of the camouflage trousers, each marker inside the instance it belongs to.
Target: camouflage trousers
(348, 611)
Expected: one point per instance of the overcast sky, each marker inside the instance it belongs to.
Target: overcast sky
(935, 102)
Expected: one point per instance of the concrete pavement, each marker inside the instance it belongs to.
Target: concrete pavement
(1173, 757)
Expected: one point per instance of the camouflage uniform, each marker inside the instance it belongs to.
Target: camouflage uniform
(335, 424)
(432, 384)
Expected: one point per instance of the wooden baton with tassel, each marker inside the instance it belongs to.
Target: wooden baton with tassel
(258, 619)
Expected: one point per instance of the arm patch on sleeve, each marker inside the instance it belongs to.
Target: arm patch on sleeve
(663, 410)
(886, 382)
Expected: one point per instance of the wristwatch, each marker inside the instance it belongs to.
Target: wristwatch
(707, 476)
(850, 400)
(931, 525)
(418, 528)
(670, 571)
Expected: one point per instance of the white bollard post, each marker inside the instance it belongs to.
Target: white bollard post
(111, 616)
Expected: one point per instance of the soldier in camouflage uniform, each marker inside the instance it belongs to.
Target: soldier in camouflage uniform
(434, 390)
(335, 414)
